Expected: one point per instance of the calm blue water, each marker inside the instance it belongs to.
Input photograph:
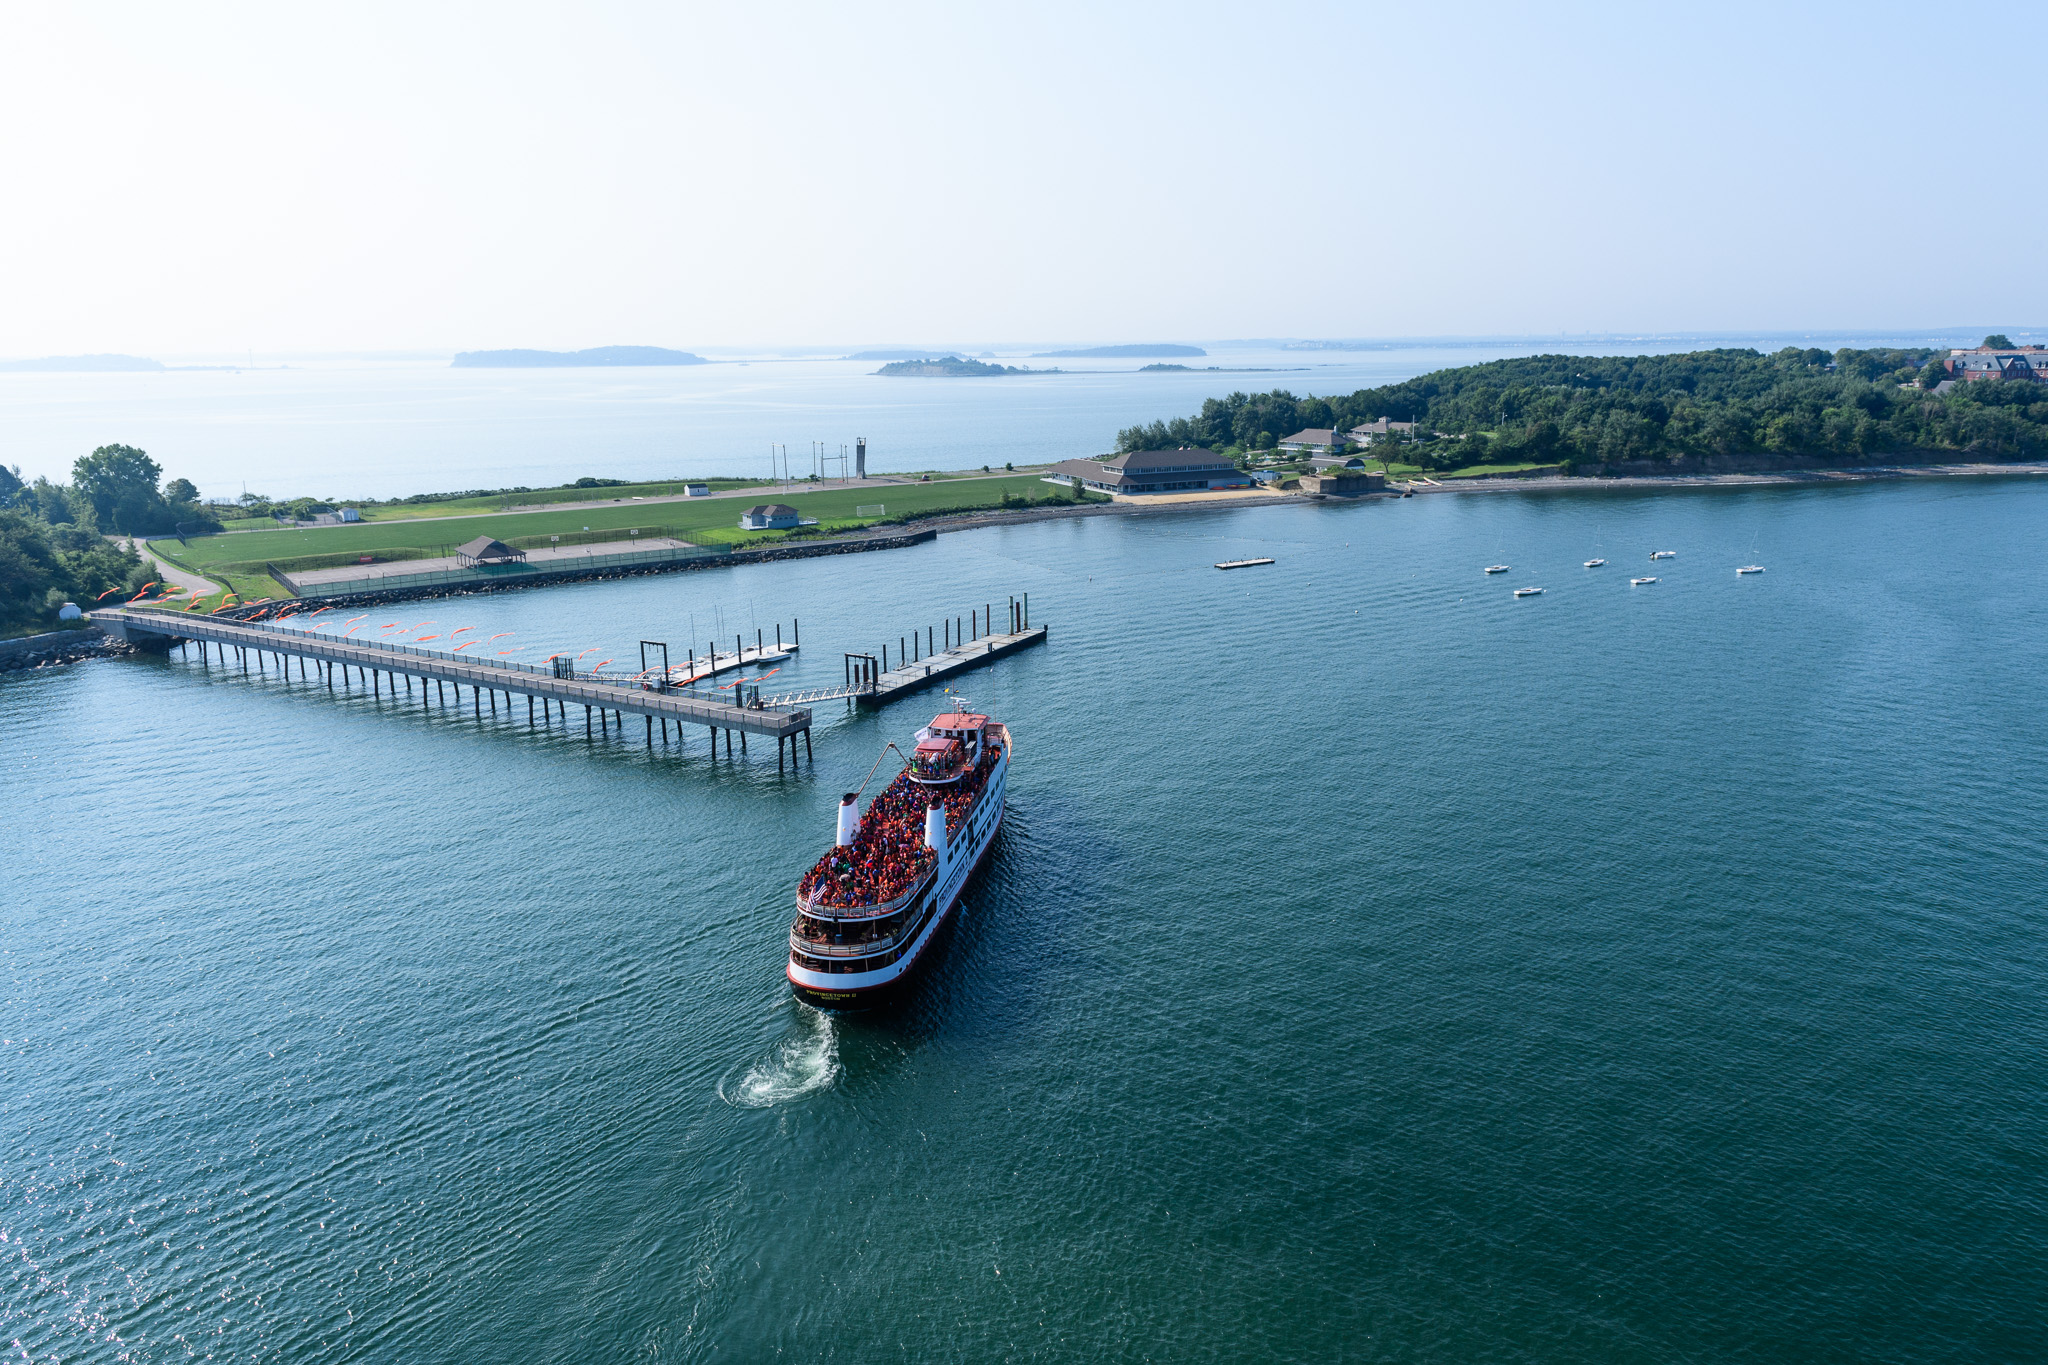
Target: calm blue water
(381, 427)
(1373, 967)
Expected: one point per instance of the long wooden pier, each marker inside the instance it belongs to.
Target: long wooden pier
(383, 666)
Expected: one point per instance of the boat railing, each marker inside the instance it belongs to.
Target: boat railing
(813, 906)
(823, 948)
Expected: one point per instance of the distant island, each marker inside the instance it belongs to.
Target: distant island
(894, 355)
(1209, 369)
(1142, 351)
(85, 364)
(595, 356)
(953, 367)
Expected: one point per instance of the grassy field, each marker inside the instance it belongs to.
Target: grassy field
(1472, 471)
(497, 502)
(710, 522)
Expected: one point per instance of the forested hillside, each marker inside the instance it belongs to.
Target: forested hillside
(52, 549)
(1582, 411)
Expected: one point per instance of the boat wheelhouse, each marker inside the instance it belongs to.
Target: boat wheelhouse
(869, 909)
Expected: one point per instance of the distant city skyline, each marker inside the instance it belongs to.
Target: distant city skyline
(242, 180)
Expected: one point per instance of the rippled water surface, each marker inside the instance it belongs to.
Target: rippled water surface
(1373, 966)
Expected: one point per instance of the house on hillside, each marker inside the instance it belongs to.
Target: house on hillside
(1187, 470)
(1983, 362)
(1363, 435)
(1313, 441)
(768, 516)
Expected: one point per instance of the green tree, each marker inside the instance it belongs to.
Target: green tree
(1999, 341)
(28, 570)
(50, 501)
(43, 566)
(1932, 373)
(181, 490)
(11, 486)
(119, 482)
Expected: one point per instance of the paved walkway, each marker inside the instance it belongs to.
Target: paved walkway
(168, 572)
(550, 558)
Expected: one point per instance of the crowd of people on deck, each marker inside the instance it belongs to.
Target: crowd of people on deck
(888, 855)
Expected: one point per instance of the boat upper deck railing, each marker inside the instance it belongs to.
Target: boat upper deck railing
(816, 907)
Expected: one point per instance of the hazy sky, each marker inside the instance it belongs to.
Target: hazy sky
(190, 178)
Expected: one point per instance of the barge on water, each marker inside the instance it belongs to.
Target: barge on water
(868, 911)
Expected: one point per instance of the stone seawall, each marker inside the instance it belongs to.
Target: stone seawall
(59, 647)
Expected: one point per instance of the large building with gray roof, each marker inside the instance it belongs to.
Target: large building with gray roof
(1187, 470)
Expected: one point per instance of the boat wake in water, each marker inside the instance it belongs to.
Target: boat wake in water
(803, 1063)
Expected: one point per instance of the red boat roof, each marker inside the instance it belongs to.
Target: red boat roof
(937, 744)
(958, 720)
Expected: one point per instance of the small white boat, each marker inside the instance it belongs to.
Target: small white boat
(1242, 563)
(1527, 592)
(1638, 582)
(1498, 568)
(1663, 554)
(1749, 568)
(1595, 563)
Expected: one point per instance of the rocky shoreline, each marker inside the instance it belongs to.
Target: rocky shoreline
(786, 550)
(59, 648)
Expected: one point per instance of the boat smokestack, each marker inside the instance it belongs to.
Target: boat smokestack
(849, 818)
(935, 829)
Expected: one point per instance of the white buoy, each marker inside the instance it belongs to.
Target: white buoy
(849, 819)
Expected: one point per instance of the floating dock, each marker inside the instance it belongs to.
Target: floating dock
(696, 669)
(948, 663)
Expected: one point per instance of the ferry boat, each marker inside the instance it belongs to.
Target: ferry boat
(872, 906)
